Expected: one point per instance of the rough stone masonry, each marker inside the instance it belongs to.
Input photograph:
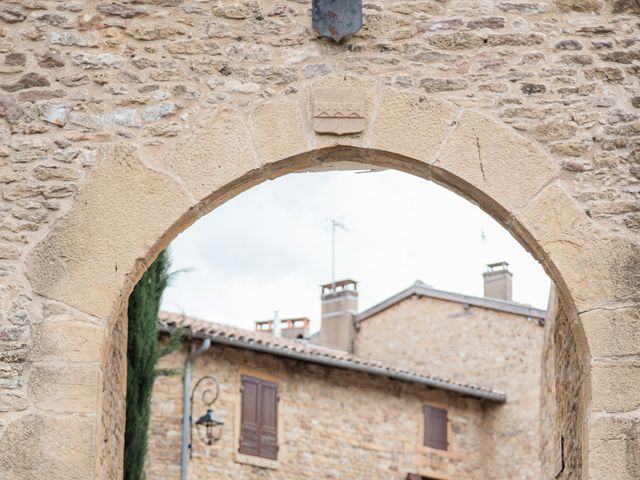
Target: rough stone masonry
(123, 122)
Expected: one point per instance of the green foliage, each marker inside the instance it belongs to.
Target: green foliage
(143, 352)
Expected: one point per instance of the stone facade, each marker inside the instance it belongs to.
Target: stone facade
(121, 124)
(469, 343)
(374, 423)
(497, 346)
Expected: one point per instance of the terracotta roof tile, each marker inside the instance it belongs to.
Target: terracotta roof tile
(302, 350)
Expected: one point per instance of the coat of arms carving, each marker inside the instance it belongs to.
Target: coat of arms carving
(338, 110)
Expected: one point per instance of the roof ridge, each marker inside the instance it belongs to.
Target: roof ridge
(294, 348)
(516, 308)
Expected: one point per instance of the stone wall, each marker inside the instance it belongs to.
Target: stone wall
(562, 400)
(486, 347)
(334, 424)
(120, 124)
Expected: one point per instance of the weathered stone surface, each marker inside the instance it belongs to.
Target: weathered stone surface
(73, 454)
(555, 130)
(612, 333)
(514, 39)
(243, 52)
(608, 74)
(56, 114)
(15, 58)
(626, 6)
(67, 388)
(455, 41)
(428, 118)
(156, 112)
(122, 117)
(13, 402)
(614, 386)
(193, 47)
(431, 85)
(480, 153)
(532, 88)
(149, 32)
(55, 172)
(11, 14)
(277, 131)
(626, 57)
(51, 59)
(29, 80)
(121, 10)
(125, 206)
(577, 246)
(614, 443)
(52, 19)
(238, 10)
(522, 7)
(88, 61)
(579, 5)
(568, 45)
(38, 95)
(199, 159)
(494, 23)
(69, 39)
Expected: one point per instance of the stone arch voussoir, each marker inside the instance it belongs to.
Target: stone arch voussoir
(132, 206)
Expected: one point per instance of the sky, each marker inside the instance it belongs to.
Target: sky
(269, 248)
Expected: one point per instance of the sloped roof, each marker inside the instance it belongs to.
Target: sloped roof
(423, 290)
(301, 350)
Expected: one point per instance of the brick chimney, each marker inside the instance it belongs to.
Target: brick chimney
(289, 327)
(339, 306)
(497, 281)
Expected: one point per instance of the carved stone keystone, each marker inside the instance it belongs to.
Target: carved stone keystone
(339, 111)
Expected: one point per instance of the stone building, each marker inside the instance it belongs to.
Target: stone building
(427, 383)
(121, 123)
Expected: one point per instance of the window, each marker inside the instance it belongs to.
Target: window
(435, 428)
(259, 418)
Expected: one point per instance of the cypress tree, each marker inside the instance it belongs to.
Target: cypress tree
(143, 352)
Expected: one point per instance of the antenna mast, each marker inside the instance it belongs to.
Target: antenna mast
(334, 224)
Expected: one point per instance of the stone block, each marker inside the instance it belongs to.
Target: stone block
(219, 151)
(44, 447)
(482, 153)
(612, 333)
(68, 341)
(364, 91)
(615, 386)
(411, 125)
(65, 388)
(578, 247)
(114, 206)
(614, 449)
(277, 131)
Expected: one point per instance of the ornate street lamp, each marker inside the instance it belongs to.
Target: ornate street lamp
(209, 425)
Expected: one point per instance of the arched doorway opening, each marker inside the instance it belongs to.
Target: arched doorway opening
(241, 255)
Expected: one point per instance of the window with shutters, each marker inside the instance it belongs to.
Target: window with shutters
(436, 428)
(259, 418)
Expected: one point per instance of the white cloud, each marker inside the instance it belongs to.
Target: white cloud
(269, 248)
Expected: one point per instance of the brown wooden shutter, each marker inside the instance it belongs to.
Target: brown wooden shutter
(269, 421)
(259, 418)
(435, 428)
(250, 388)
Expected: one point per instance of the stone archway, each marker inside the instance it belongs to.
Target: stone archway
(137, 200)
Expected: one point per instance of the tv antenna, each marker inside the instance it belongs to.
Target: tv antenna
(335, 224)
